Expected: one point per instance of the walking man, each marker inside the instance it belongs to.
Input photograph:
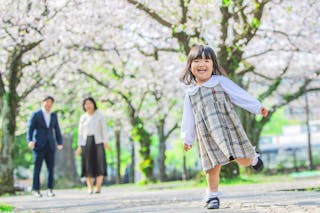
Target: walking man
(42, 136)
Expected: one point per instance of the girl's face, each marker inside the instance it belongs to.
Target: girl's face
(88, 105)
(202, 69)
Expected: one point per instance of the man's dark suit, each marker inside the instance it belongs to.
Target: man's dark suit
(45, 139)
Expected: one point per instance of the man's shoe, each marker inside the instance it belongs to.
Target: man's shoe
(259, 166)
(37, 194)
(50, 193)
(213, 203)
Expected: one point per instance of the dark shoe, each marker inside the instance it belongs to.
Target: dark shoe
(37, 194)
(259, 166)
(213, 203)
(97, 192)
(50, 193)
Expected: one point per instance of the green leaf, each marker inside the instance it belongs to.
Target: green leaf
(289, 9)
(226, 3)
(255, 23)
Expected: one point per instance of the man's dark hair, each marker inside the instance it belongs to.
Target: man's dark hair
(48, 98)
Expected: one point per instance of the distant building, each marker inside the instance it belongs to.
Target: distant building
(290, 148)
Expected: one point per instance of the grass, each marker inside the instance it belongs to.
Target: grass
(5, 207)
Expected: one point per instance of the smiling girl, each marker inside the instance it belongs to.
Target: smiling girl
(208, 114)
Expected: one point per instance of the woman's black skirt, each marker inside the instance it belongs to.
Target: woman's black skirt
(93, 159)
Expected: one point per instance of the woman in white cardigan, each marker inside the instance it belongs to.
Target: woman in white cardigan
(92, 141)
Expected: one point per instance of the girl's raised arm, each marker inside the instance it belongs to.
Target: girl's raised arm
(240, 97)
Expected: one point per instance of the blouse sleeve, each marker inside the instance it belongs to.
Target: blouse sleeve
(240, 97)
(104, 129)
(188, 123)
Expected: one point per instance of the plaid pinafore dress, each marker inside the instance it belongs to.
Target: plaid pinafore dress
(221, 137)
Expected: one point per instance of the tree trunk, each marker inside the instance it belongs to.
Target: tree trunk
(311, 166)
(184, 166)
(252, 127)
(65, 171)
(117, 135)
(141, 135)
(162, 151)
(133, 163)
(8, 127)
(8, 112)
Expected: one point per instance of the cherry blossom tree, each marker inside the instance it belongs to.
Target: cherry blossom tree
(128, 54)
(29, 46)
(245, 33)
(234, 29)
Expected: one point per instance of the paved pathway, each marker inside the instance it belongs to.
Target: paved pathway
(268, 197)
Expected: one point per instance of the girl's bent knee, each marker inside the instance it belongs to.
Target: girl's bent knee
(244, 161)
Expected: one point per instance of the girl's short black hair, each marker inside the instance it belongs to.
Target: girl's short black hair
(92, 101)
(198, 52)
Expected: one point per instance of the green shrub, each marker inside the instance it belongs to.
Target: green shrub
(5, 207)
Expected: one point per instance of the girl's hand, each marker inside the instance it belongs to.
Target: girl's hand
(264, 112)
(107, 147)
(187, 147)
(78, 151)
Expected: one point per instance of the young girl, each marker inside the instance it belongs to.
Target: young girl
(208, 113)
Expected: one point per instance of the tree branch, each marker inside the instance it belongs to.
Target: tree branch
(30, 46)
(251, 28)
(156, 51)
(42, 57)
(171, 131)
(224, 26)
(274, 86)
(141, 102)
(184, 10)
(31, 88)
(98, 48)
(151, 13)
(272, 50)
(132, 110)
(39, 81)
(291, 97)
(81, 71)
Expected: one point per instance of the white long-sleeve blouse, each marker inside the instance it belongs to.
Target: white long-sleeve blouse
(236, 94)
(92, 125)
